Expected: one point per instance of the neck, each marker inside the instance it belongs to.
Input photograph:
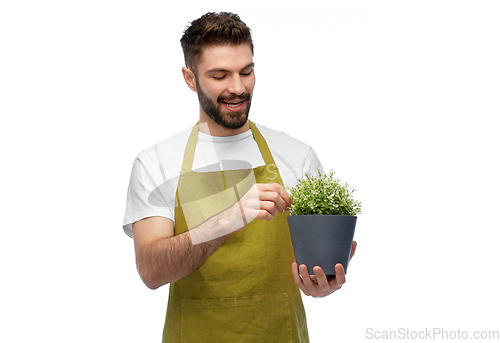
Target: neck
(210, 127)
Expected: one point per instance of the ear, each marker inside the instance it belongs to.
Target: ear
(189, 78)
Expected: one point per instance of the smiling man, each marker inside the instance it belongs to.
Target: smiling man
(207, 208)
(224, 79)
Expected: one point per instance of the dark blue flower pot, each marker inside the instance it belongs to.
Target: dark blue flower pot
(322, 240)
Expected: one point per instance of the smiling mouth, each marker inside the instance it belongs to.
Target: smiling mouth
(233, 103)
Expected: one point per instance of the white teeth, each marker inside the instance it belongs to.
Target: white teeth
(232, 104)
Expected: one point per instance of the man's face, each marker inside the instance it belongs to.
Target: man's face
(224, 82)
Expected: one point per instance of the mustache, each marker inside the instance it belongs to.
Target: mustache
(244, 96)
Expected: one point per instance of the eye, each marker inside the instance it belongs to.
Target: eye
(247, 74)
(219, 77)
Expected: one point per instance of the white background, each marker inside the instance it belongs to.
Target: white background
(400, 98)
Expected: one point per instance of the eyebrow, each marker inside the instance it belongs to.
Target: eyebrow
(222, 70)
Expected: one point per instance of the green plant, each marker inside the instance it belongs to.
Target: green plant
(323, 194)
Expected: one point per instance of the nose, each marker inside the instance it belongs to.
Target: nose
(236, 86)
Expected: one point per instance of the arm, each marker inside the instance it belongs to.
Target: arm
(163, 258)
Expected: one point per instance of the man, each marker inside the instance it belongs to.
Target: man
(196, 203)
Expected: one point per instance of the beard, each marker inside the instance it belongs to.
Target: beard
(214, 110)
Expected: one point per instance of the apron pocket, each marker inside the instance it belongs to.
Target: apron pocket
(263, 318)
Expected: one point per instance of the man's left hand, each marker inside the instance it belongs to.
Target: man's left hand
(319, 285)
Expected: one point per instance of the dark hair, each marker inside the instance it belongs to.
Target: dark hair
(222, 28)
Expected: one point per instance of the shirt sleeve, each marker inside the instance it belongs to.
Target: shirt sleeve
(312, 164)
(145, 196)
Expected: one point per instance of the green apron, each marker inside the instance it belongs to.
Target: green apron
(245, 291)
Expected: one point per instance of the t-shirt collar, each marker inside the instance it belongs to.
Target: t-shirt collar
(204, 137)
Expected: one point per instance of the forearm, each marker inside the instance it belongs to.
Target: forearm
(170, 259)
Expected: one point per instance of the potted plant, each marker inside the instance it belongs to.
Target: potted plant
(322, 221)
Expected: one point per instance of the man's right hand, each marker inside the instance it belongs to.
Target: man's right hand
(262, 201)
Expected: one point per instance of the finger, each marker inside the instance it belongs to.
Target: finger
(253, 208)
(339, 277)
(298, 279)
(276, 191)
(285, 196)
(322, 280)
(353, 248)
(258, 211)
(263, 214)
(269, 206)
(306, 279)
(279, 196)
(274, 198)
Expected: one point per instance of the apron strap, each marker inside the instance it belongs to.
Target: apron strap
(263, 147)
(265, 152)
(187, 161)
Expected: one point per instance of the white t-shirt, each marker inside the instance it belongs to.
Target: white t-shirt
(158, 168)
